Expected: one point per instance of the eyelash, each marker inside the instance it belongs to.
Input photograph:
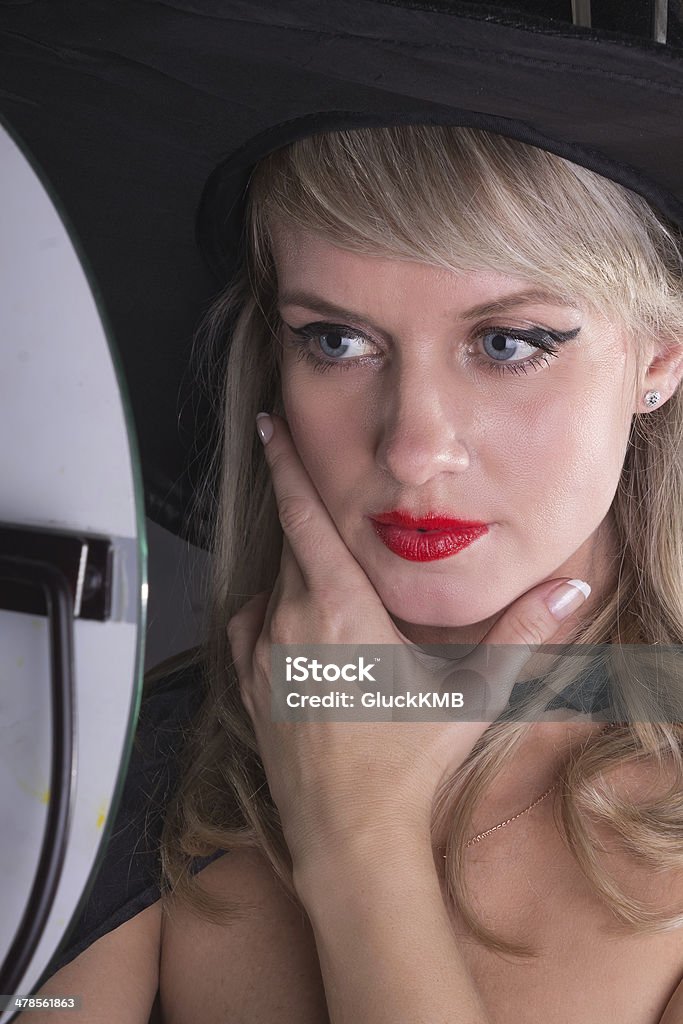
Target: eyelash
(547, 341)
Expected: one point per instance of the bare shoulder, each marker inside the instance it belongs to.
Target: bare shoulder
(261, 966)
(117, 976)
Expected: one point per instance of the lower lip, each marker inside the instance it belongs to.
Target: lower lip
(426, 547)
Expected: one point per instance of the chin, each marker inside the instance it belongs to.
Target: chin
(429, 607)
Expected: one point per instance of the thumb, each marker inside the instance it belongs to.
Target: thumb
(529, 622)
(536, 616)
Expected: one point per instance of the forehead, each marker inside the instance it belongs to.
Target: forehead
(305, 261)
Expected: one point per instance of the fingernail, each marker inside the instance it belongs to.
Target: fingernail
(264, 426)
(568, 597)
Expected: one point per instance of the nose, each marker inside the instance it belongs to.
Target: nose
(422, 430)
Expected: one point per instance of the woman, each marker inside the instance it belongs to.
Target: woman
(512, 328)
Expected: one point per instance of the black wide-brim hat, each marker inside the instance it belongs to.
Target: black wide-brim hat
(145, 119)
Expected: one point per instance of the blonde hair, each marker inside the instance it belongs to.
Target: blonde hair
(461, 199)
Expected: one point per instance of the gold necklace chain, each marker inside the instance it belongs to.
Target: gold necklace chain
(502, 824)
(482, 835)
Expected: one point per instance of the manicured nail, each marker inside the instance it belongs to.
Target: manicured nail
(264, 425)
(566, 598)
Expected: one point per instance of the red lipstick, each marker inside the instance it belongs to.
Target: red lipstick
(425, 538)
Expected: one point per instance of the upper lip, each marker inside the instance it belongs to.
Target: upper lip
(428, 520)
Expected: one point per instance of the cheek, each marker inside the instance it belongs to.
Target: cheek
(569, 469)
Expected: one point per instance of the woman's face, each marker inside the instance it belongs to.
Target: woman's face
(427, 403)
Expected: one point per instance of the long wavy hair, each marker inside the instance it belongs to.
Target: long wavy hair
(461, 199)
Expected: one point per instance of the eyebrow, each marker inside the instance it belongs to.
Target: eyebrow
(307, 300)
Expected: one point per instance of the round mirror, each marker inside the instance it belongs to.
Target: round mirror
(73, 578)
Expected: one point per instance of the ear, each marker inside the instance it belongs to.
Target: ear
(664, 372)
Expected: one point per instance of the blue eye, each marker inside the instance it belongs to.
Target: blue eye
(303, 336)
(330, 336)
(499, 340)
(332, 341)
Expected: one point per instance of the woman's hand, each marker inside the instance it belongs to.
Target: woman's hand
(334, 782)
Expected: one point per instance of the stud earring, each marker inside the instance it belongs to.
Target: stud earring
(651, 399)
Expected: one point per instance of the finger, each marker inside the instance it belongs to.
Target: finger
(244, 629)
(319, 551)
(246, 625)
(529, 622)
(290, 577)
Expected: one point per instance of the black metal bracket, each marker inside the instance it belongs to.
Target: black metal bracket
(85, 561)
